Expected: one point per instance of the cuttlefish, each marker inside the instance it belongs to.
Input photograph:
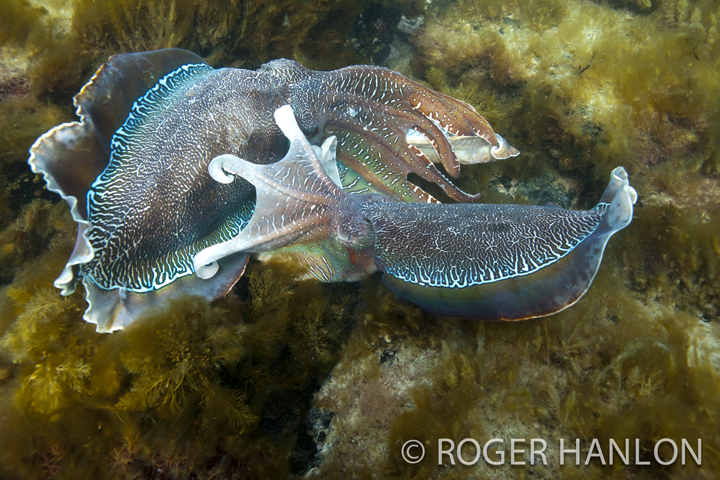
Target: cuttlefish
(484, 262)
(135, 170)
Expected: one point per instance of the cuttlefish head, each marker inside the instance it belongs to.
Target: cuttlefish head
(299, 202)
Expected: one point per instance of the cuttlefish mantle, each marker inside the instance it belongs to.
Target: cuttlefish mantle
(134, 168)
(484, 262)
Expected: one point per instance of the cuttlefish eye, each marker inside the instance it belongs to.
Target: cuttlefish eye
(308, 121)
(353, 230)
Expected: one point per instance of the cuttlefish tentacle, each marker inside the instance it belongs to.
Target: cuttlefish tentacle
(386, 140)
(485, 262)
(408, 159)
(387, 117)
(468, 149)
(359, 178)
(292, 202)
(459, 109)
(454, 116)
(368, 99)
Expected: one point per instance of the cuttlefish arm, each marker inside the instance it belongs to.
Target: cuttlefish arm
(389, 126)
(293, 203)
(467, 148)
(484, 262)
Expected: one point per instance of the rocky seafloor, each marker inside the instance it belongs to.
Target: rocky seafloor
(286, 379)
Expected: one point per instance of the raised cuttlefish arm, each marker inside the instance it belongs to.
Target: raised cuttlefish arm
(485, 262)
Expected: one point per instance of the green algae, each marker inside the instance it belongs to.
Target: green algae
(20, 21)
(601, 88)
(188, 386)
(609, 368)
(186, 390)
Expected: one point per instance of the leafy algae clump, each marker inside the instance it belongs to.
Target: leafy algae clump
(586, 86)
(189, 349)
(186, 388)
(51, 377)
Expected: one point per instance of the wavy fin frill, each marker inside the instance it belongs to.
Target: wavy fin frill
(550, 271)
(72, 155)
(115, 309)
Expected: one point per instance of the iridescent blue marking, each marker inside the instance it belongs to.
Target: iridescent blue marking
(530, 238)
(142, 108)
(112, 214)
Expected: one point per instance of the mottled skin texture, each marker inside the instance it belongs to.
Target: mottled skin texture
(474, 244)
(157, 188)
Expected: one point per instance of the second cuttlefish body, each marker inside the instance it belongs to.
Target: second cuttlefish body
(485, 262)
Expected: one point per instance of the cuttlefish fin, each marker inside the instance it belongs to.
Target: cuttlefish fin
(293, 201)
(551, 265)
(115, 309)
(72, 155)
(110, 94)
